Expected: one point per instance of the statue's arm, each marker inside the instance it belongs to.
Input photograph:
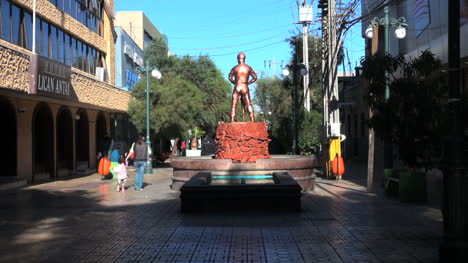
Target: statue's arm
(253, 75)
(231, 76)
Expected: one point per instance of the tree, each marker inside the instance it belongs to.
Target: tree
(275, 95)
(272, 95)
(308, 132)
(175, 105)
(308, 122)
(415, 116)
(192, 93)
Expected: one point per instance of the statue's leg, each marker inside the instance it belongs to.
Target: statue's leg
(235, 100)
(243, 108)
(248, 104)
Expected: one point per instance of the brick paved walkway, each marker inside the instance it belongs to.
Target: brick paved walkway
(86, 220)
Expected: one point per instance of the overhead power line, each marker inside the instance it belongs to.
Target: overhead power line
(223, 47)
(211, 36)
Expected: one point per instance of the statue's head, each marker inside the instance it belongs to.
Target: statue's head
(241, 57)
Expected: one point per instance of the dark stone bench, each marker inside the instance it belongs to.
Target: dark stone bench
(198, 195)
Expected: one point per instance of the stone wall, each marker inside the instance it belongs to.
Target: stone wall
(14, 76)
(14, 68)
(99, 93)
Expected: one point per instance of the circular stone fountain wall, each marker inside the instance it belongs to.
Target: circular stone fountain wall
(300, 167)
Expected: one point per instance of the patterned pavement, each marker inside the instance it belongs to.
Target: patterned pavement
(86, 220)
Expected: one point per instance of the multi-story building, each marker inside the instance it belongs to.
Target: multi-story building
(138, 27)
(427, 29)
(353, 116)
(128, 56)
(135, 32)
(58, 103)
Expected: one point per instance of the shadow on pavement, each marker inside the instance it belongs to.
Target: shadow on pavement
(40, 225)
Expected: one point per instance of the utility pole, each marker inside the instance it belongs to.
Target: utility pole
(305, 56)
(305, 17)
(334, 29)
(331, 116)
(333, 57)
(326, 50)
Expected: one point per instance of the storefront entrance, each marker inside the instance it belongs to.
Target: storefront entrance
(8, 139)
(43, 144)
(64, 142)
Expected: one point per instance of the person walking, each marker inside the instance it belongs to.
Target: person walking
(141, 153)
(114, 158)
(183, 147)
(121, 171)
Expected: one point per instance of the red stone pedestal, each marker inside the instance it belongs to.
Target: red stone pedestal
(242, 142)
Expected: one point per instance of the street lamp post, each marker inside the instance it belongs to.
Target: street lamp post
(386, 22)
(157, 74)
(400, 33)
(303, 71)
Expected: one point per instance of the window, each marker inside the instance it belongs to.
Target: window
(60, 46)
(66, 6)
(27, 27)
(147, 40)
(78, 12)
(67, 51)
(53, 43)
(15, 25)
(74, 55)
(73, 8)
(79, 47)
(92, 60)
(6, 22)
(85, 57)
(38, 35)
(44, 39)
(82, 17)
(60, 4)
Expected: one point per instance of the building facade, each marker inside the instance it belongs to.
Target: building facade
(427, 29)
(354, 116)
(128, 56)
(138, 27)
(58, 103)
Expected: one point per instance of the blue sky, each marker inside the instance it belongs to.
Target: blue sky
(222, 29)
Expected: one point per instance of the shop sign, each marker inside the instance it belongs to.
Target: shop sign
(49, 78)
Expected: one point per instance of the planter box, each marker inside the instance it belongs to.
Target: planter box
(408, 186)
(412, 186)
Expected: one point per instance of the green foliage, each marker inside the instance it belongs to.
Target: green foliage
(315, 69)
(308, 132)
(271, 95)
(415, 116)
(192, 93)
(275, 95)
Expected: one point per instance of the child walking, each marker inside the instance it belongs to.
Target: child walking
(121, 171)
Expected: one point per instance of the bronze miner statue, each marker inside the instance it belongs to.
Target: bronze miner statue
(239, 76)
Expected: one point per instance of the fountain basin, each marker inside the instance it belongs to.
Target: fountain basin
(300, 167)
